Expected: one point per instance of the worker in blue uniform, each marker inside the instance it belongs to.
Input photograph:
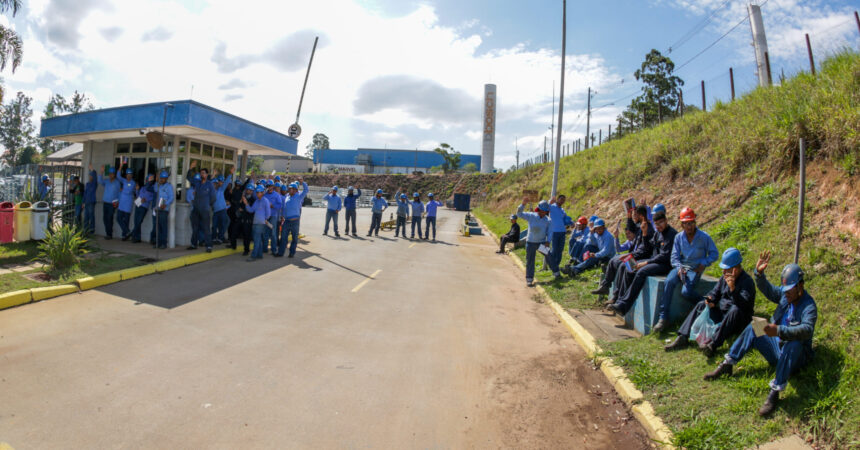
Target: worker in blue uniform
(402, 214)
(291, 215)
(333, 206)
(417, 211)
(90, 200)
(110, 198)
(605, 250)
(377, 206)
(145, 194)
(349, 206)
(204, 199)
(127, 194)
(262, 211)
(538, 233)
(276, 202)
(430, 207)
(44, 188)
(164, 197)
(220, 221)
(558, 231)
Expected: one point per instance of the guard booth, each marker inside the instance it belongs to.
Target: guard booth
(190, 131)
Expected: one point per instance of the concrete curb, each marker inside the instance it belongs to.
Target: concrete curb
(642, 410)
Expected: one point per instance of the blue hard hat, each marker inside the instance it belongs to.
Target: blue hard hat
(334, 188)
(731, 258)
(430, 194)
(270, 183)
(659, 208)
(259, 189)
(129, 171)
(402, 195)
(416, 195)
(792, 274)
(111, 170)
(277, 178)
(197, 176)
(219, 179)
(599, 223)
(163, 174)
(593, 218)
(277, 184)
(44, 177)
(379, 191)
(543, 206)
(349, 188)
(513, 216)
(294, 185)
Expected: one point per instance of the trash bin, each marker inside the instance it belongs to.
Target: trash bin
(39, 221)
(22, 221)
(7, 219)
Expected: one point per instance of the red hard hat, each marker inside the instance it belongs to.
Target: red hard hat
(688, 215)
(582, 220)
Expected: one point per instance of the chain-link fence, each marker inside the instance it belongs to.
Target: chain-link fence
(21, 183)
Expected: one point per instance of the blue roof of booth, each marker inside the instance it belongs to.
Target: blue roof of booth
(394, 158)
(184, 113)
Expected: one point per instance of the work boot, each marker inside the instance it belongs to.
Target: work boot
(608, 303)
(601, 290)
(679, 343)
(769, 404)
(659, 326)
(614, 309)
(723, 369)
(708, 349)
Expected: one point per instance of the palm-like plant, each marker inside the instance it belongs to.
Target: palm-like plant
(11, 46)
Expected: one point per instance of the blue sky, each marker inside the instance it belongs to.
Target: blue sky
(401, 73)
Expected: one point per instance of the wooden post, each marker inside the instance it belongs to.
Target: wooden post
(801, 199)
(704, 105)
(767, 64)
(600, 136)
(857, 19)
(681, 101)
(609, 135)
(732, 82)
(809, 51)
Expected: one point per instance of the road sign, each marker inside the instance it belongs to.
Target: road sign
(294, 131)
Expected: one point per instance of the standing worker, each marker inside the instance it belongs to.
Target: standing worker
(431, 206)
(538, 234)
(417, 210)
(90, 202)
(219, 209)
(291, 215)
(235, 212)
(126, 203)
(204, 199)
(349, 204)
(76, 194)
(276, 202)
(44, 188)
(402, 213)
(110, 199)
(334, 205)
(144, 200)
(161, 207)
(558, 230)
(378, 205)
(261, 210)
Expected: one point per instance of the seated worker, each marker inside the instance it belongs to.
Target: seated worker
(579, 232)
(787, 339)
(586, 242)
(538, 234)
(730, 304)
(512, 236)
(692, 252)
(657, 265)
(605, 250)
(640, 248)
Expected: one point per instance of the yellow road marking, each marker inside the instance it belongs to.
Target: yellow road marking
(366, 280)
(413, 244)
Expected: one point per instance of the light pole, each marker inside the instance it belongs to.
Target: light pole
(560, 98)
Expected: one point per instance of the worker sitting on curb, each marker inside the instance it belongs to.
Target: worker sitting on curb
(605, 250)
(692, 252)
(538, 234)
(378, 205)
(402, 213)
(658, 264)
(291, 215)
(640, 249)
(430, 207)
(730, 305)
(586, 242)
(786, 341)
(417, 210)
(349, 204)
(512, 236)
(334, 205)
(262, 210)
(558, 229)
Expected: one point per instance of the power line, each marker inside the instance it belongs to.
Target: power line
(697, 28)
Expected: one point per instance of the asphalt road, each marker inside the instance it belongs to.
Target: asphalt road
(356, 343)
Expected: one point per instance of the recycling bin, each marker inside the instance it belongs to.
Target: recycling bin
(22, 221)
(7, 222)
(39, 221)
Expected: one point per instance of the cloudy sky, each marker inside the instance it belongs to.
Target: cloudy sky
(402, 73)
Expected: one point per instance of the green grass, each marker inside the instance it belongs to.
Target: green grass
(18, 252)
(737, 167)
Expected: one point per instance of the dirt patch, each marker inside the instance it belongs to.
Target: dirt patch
(558, 401)
(39, 277)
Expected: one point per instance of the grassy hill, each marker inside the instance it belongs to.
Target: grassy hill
(737, 167)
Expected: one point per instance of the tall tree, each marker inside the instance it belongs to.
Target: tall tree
(318, 142)
(11, 46)
(660, 91)
(58, 105)
(450, 156)
(16, 127)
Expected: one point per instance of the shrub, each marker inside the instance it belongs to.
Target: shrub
(62, 248)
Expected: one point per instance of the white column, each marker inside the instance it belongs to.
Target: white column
(174, 177)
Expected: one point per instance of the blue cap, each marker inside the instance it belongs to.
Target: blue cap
(731, 258)
(111, 170)
(379, 191)
(659, 208)
(219, 179)
(430, 194)
(599, 223)
(402, 195)
(259, 189)
(593, 218)
(792, 274)
(163, 174)
(277, 178)
(269, 183)
(416, 195)
(513, 216)
(294, 185)
(129, 171)
(543, 206)
(152, 175)
(277, 184)
(44, 177)
(334, 188)
(197, 176)
(349, 188)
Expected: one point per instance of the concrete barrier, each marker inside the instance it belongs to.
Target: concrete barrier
(42, 293)
(15, 298)
(646, 309)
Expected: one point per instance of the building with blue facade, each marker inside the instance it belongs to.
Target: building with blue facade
(381, 161)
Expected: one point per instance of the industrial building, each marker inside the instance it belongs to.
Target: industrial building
(382, 161)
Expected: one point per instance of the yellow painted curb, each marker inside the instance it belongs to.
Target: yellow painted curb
(642, 410)
(136, 272)
(5, 446)
(98, 280)
(15, 298)
(170, 264)
(195, 258)
(42, 293)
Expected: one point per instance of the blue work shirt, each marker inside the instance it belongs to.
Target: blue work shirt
(126, 195)
(538, 226)
(146, 195)
(349, 200)
(605, 245)
(261, 209)
(334, 202)
(276, 202)
(293, 203)
(417, 209)
(431, 207)
(43, 190)
(112, 189)
(690, 254)
(796, 322)
(91, 187)
(204, 193)
(556, 216)
(220, 201)
(164, 195)
(577, 235)
(378, 204)
(402, 208)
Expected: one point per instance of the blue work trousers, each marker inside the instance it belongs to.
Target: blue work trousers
(330, 214)
(89, 217)
(787, 356)
(416, 222)
(401, 223)
(139, 215)
(431, 220)
(201, 229)
(258, 230)
(376, 223)
(123, 219)
(273, 234)
(289, 228)
(159, 228)
(531, 253)
(78, 208)
(107, 218)
(588, 263)
(557, 241)
(219, 225)
(688, 290)
(578, 249)
(349, 216)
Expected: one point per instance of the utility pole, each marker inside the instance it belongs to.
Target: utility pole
(609, 135)
(560, 98)
(517, 147)
(809, 51)
(600, 136)
(588, 120)
(552, 119)
(759, 43)
(732, 82)
(704, 106)
(543, 157)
